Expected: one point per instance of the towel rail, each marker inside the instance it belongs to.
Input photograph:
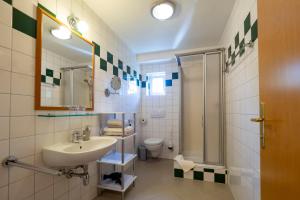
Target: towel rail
(13, 161)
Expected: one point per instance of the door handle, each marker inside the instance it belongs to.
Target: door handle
(258, 119)
(261, 120)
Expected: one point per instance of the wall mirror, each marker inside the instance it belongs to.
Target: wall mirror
(64, 67)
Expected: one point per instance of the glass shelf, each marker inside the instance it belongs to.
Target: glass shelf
(69, 115)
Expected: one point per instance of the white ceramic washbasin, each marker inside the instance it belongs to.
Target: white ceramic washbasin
(73, 154)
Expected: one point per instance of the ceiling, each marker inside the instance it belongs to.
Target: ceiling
(196, 23)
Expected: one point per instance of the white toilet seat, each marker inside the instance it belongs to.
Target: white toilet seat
(153, 141)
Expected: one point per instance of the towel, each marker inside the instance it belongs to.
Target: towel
(114, 123)
(118, 131)
(186, 165)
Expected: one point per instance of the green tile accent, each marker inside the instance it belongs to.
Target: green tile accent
(242, 47)
(46, 9)
(56, 81)
(220, 178)
(229, 52)
(49, 72)
(124, 76)
(178, 173)
(175, 76)
(254, 31)
(137, 83)
(24, 23)
(8, 1)
(198, 175)
(103, 64)
(120, 64)
(247, 24)
(134, 73)
(140, 77)
(110, 58)
(115, 71)
(128, 70)
(43, 78)
(97, 49)
(237, 40)
(209, 170)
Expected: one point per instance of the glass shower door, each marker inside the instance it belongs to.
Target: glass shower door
(213, 133)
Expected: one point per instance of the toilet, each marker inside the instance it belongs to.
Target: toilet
(154, 145)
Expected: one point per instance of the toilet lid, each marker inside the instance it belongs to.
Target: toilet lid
(153, 141)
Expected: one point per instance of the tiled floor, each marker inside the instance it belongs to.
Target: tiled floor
(156, 182)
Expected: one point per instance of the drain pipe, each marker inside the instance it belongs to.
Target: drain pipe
(67, 172)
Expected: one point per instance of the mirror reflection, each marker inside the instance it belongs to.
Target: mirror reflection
(66, 67)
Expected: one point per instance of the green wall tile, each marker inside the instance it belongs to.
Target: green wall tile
(229, 52)
(120, 64)
(56, 81)
(254, 31)
(175, 75)
(237, 40)
(97, 49)
(220, 178)
(46, 9)
(125, 76)
(178, 173)
(110, 58)
(103, 64)
(8, 1)
(140, 77)
(242, 47)
(43, 78)
(24, 23)
(49, 72)
(209, 170)
(198, 175)
(247, 24)
(128, 70)
(115, 71)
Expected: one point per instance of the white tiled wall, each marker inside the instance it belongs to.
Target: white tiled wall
(23, 133)
(166, 127)
(242, 103)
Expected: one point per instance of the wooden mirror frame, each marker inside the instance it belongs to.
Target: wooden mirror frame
(38, 64)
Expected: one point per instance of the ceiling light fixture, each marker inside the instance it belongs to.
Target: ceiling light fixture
(163, 10)
(62, 33)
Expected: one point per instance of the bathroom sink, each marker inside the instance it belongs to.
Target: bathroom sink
(73, 154)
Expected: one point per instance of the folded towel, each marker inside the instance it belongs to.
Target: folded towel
(114, 123)
(118, 131)
(186, 165)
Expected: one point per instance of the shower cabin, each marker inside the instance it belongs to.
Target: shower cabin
(202, 106)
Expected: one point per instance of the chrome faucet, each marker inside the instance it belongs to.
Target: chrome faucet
(86, 133)
(76, 136)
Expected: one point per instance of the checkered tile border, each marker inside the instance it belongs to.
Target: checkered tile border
(168, 83)
(237, 48)
(51, 76)
(203, 173)
(111, 64)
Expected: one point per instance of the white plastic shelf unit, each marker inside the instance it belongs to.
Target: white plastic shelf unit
(121, 159)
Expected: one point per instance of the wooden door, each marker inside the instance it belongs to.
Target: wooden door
(279, 63)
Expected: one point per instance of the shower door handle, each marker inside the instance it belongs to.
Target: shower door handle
(261, 121)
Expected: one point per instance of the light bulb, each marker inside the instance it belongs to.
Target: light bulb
(82, 26)
(62, 33)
